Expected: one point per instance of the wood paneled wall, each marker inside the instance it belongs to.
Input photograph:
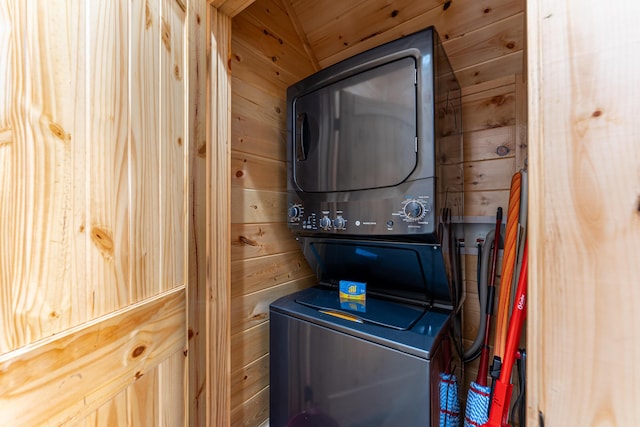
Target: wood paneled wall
(267, 56)
(94, 213)
(277, 42)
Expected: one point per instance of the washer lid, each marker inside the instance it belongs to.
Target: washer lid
(419, 340)
(408, 271)
(374, 310)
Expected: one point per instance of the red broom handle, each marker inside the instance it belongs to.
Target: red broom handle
(483, 369)
(499, 412)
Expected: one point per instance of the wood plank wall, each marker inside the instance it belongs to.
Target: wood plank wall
(277, 42)
(267, 56)
(94, 185)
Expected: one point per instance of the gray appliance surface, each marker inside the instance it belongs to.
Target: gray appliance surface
(418, 340)
(374, 160)
(407, 270)
(370, 117)
(374, 143)
(331, 371)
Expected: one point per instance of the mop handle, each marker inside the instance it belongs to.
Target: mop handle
(499, 411)
(483, 368)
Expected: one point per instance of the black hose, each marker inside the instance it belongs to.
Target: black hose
(476, 347)
(519, 407)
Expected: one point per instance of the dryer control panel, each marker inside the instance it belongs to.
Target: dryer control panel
(409, 213)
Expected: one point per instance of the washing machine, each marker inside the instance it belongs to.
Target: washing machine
(372, 361)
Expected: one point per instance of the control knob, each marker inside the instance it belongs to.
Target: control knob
(325, 223)
(415, 210)
(295, 213)
(339, 223)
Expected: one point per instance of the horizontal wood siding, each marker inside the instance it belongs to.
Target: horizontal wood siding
(267, 57)
(484, 40)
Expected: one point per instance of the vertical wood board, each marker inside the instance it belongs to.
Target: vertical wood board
(584, 213)
(147, 228)
(173, 179)
(218, 217)
(198, 393)
(104, 230)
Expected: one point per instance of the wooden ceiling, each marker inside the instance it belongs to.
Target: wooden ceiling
(484, 39)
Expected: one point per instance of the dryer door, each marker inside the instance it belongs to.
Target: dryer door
(358, 133)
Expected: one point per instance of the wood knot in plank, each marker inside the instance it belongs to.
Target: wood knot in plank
(247, 241)
(502, 151)
(239, 174)
(259, 316)
(596, 113)
(202, 150)
(166, 35)
(176, 72)
(394, 13)
(446, 5)
(270, 34)
(103, 240)
(148, 18)
(498, 100)
(138, 351)
(138, 375)
(59, 132)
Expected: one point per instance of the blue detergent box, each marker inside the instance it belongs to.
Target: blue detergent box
(353, 295)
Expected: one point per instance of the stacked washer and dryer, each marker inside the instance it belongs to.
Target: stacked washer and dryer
(374, 180)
